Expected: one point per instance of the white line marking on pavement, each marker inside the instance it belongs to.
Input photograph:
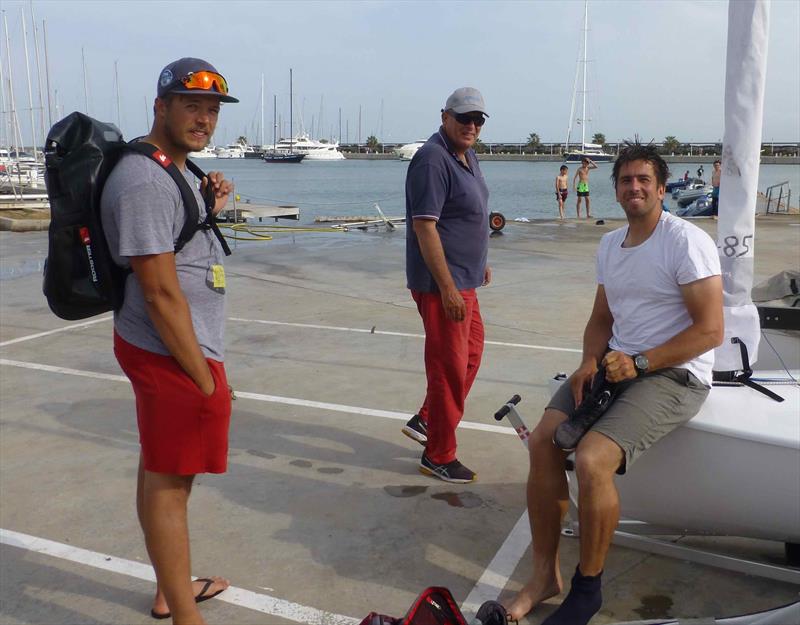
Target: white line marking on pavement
(311, 326)
(233, 595)
(388, 333)
(276, 399)
(75, 326)
(500, 569)
(65, 370)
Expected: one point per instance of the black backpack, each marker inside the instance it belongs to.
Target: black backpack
(81, 278)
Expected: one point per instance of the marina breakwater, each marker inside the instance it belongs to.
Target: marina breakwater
(557, 158)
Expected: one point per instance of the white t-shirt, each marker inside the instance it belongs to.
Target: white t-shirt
(642, 285)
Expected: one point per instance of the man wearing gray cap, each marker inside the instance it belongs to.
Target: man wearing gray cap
(168, 334)
(446, 250)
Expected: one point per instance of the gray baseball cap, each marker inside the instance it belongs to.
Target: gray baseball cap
(171, 79)
(465, 100)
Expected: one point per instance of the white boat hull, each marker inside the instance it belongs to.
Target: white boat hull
(734, 469)
(406, 152)
(324, 155)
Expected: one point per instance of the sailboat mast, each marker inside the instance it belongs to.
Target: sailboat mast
(12, 105)
(262, 111)
(745, 82)
(85, 87)
(585, 39)
(6, 126)
(116, 85)
(274, 122)
(28, 74)
(47, 75)
(38, 72)
(291, 135)
(572, 102)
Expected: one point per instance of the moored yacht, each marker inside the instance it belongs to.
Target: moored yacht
(206, 152)
(406, 152)
(592, 151)
(312, 150)
(234, 150)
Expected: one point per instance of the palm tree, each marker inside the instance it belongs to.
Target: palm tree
(372, 142)
(480, 147)
(599, 138)
(670, 144)
(533, 141)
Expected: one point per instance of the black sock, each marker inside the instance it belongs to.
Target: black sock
(582, 603)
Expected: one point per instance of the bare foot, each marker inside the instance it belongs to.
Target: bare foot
(201, 589)
(531, 595)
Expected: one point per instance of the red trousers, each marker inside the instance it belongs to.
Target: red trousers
(453, 351)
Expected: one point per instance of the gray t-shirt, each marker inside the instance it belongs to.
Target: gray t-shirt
(143, 214)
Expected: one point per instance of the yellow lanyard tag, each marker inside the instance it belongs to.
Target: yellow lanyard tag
(218, 273)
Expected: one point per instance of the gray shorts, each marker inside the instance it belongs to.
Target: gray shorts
(647, 409)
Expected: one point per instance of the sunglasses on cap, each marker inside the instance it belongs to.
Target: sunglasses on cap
(468, 118)
(205, 81)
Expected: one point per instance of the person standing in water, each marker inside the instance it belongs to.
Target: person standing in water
(562, 189)
(581, 184)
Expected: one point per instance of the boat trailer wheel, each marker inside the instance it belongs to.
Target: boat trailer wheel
(497, 221)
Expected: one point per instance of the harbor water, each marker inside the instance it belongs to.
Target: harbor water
(517, 189)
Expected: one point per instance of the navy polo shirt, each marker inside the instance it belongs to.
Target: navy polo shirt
(440, 187)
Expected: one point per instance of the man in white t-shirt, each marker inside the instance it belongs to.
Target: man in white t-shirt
(656, 319)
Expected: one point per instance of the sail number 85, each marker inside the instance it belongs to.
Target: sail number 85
(731, 246)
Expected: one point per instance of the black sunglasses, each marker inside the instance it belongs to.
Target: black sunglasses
(465, 119)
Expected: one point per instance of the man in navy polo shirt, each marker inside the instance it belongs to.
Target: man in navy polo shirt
(446, 248)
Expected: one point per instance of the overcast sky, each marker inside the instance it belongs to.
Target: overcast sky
(656, 68)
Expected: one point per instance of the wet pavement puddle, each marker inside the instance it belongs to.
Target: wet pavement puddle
(405, 491)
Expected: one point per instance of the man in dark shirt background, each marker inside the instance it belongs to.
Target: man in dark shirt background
(446, 249)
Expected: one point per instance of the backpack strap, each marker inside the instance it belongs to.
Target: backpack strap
(210, 200)
(192, 224)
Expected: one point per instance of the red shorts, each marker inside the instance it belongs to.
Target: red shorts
(181, 431)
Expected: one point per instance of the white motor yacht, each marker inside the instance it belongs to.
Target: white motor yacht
(326, 152)
(206, 152)
(311, 149)
(406, 152)
(234, 150)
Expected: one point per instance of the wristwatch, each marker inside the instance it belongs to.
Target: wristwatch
(641, 364)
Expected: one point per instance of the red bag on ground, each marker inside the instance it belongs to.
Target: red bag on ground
(433, 606)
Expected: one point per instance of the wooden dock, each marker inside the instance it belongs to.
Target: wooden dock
(245, 211)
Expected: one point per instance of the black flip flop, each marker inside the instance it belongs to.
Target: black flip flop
(198, 598)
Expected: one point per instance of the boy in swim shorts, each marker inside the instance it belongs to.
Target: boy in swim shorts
(581, 184)
(562, 189)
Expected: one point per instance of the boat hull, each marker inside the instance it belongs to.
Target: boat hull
(733, 470)
(283, 158)
(325, 155)
(577, 157)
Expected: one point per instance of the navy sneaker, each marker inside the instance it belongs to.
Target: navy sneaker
(416, 429)
(451, 472)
